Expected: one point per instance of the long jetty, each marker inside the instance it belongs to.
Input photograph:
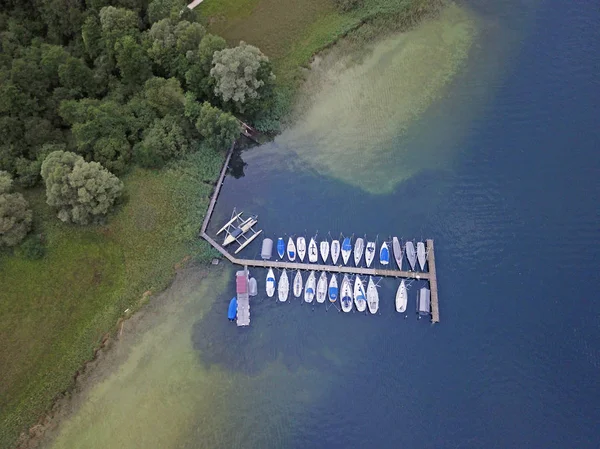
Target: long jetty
(429, 275)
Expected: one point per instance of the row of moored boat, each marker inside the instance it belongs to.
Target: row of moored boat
(350, 294)
(299, 249)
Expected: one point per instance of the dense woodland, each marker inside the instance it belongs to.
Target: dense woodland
(115, 82)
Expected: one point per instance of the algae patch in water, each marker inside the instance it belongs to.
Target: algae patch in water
(356, 124)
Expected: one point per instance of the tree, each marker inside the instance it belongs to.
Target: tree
(116, 23)
(242, 75)
(15, 214)
(164, 96)
(218, 128)
(163, 141)
(132, 61)
(83, 192)
(198, 77)
(76, 76)
(164, 9)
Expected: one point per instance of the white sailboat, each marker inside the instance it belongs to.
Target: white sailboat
(324, 248)
(322, 288)
(270, 283)
(360, 299)
(313, 253)
(401, 298)
(410, 254)
(346, 294)
(370, 253)
(335, 251)
(397, 247)
(291, 250)
(372, 296)
(301, 247)
(421, 254)
(283, 288)
(333, 288)
(309, 288)
(346, 250)
(359, 247)
(298, 284)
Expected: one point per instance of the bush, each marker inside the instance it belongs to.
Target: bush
(15, 214)
(347, 5)
(32, 248)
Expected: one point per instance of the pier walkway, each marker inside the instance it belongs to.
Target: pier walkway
(429, 275)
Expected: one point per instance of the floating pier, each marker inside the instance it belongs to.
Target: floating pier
(430, 275)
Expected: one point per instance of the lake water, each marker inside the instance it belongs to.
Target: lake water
(513, 203)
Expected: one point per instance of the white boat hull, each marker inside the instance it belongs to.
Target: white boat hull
(322, 288)
(346, 295)
(370, 253)
(313, 252)
(324, 248)
(283, 289)
(360, 299)
(298, 285)
(397, 247)
(372, 296)
(359, 247)
(291, 250)
(301, 248)
(401, 298)
(335, 251)
(309, 288)
(421, 254)
(333, 291)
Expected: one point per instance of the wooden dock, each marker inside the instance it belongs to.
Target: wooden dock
(430, 275)
(243, 298)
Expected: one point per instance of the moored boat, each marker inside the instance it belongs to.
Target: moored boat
(346, 250)
(411, 255)
(270, 283)
(424, 302)
(232, 311)
(401, 298)
(301, 247)
(397, 247)
(324, 248)
(370, 253)
(283, 288)
(372, 296)
(421, 254)
(384, 254)
(360, 300)
(252, 287)
(359, 248)
(280, 247)
(298, 284)
(313, 253)
(346, 294)
(333, 288)
(335, 251)
(309, 288)
(322, 288)
(291, 250)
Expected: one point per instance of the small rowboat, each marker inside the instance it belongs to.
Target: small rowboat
(335, 251)
(324, 248)
(322, 288)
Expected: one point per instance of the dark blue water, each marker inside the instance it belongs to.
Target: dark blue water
(515, 361)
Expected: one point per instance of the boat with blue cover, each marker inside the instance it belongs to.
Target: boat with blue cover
(346, 250)
(384, 254)
(232, 312)
(333, 288)
(280, 247)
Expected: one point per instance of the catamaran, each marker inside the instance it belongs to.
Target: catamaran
(372, 296)
(397, 247)
(359, 247)
(335, 251)
(324, 248)
(301, 247)
(360, 299)
(309, 288)
(333, 288)
(370, 253)
(346, 250)
(270, 283)
(322, 288)
(346, 294)
(283, 288)
(298, 284)
(313, 254)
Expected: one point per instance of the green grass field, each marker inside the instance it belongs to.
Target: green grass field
(54, 311)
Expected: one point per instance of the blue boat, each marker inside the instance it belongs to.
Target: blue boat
(280, 247)
(384, 254)
(232, 312)
(346, 249)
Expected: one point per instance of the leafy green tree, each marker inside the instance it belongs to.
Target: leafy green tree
(115, 24)
(243, 75)
(77, 77)
(219, 129)
(164, 96)
(15, 215)
(82, 192)
(165, 140)
(165, 9)
(91, 33)
(132, 61)
(198, 77)
(62, 17)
